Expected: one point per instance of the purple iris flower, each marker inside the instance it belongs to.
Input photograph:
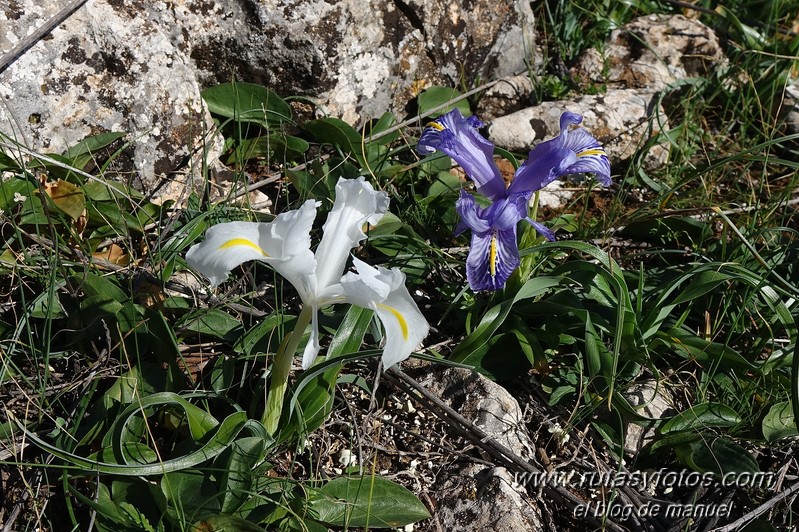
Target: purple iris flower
(494, 253)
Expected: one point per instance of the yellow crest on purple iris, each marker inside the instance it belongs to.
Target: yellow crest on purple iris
(492, 256)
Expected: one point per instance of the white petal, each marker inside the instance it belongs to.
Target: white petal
(312, 347)
(226, 246)
(357, 203)
(384, 291)
(284, 243)
(289, 242)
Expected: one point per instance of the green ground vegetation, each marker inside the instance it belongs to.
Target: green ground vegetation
(131, 394)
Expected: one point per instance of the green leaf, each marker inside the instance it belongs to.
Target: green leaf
(716, 455)
(99, 189)
(238, 467)
(47, 305)
(338, 133)
(266, 336)
(130, 385)
(96, 285)
(702, 416)
(387, 121)
(8, 163)
(275, 146)
(189, 494)
(673, 231)
(82, 153)
(445, 183)
(593, 348)
(247, 102)
(12, 190)
(221, 438)
(436, 96)
(312, 398)
(702, 282)
(496, 316)
(779, 422)
(213, 322)
(369, 501)
(690, 346)
(117, 515)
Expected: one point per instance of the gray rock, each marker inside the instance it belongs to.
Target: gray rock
(790, 108)
(487, 404)
(475, 497)
(636, 62)
(104, 69)
(138, 66)
(507, 96)
(651, 52)
(651, 400)
(486, 499)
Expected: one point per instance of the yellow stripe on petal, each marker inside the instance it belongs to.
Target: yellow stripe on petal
(436, 125)
(400, 318)
(591, 151)
(233, 242)
(492, 257)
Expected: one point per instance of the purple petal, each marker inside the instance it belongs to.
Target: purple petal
(573, 151)
(492, 259)
(591, 156)
(567, 118)
(505, 213)
(546, 162)
(471, 215)
(458, 137)
(548, 233)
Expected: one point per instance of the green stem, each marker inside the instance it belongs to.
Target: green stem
(280, 371)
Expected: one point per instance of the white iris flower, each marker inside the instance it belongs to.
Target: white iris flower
(285, 244)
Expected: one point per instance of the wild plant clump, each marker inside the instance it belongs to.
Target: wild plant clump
(203, 363)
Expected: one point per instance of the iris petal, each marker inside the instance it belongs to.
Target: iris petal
(284, 243)
(591, 156)
(459, 138)
(504, 214)
(470, 214)
(493, 257)
(548, 233)
(546, 162)
(573, 151)
(384, 291)
(357, 203)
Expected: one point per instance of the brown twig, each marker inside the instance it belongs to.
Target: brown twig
(485, 441)
(739, 523)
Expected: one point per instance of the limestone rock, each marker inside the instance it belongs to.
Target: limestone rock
(479, 499)
(507, 96)
(790, 108)
(651, 400)
(102, 70)
(138, 66)
(651, 52)
(487, 404)
(476, 498)
(637, 62)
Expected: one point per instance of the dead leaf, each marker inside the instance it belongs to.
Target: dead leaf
(113, 254)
